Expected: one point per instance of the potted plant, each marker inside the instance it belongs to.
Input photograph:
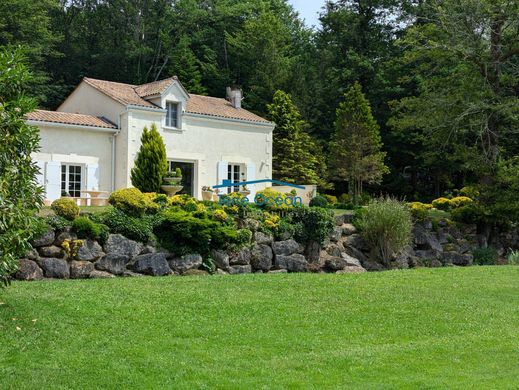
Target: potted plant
(244, 190)
(207, 193)
(215, 195)
(173, 177)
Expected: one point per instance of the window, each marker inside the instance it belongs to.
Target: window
(172, 114)
(71, 180)
(188, 170)
(233, 174)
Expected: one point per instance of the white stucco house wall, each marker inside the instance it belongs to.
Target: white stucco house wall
(90, 142)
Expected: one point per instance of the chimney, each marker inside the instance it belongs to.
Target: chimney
(234, 95)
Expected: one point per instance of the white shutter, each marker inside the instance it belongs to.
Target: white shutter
(222, 173)
(53, 181)
(40, 177)
(92, 177)
(251, 175)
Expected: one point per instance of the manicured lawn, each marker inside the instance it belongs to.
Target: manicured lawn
(427, 328)
(46, 210)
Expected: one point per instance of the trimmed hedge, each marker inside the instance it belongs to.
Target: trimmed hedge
(66, 208)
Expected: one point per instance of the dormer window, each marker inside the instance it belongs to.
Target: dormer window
(172, 109)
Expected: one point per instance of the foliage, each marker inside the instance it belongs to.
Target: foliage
(386, 226)
(270, 199)
(460, 201)
(420, 211)
(319, 201)
(58, 223)
(72, 247)
(311, 223)
(86, 228)
(469, 214)
(332, 199)
(135, 228)
(513, 257)
(130, 201)
(220, 215)
(355, 146)
(150, 164)
(65, 208)
(485, 256)
(442, 204)
(20, 194)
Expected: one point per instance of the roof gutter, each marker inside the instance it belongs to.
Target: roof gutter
(71, 125)
(266, 125)
(157, 110)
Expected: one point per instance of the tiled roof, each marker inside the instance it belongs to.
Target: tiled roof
(70, 119)
(197, 104)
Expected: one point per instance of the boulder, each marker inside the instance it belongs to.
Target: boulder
(371, 265)
(249, 223)
(64, 236)
(457, 258)
(355, 253)
(148, 249)
(195, 272)
(81, 269)
(427, 254)
(28, 270)
(336, 234)
(339, 219)
(240, 269)
(51, 251)
(312, 251)
(435, 263)
(335, 264)
(96, 274)
(262, 238)
(348, 216)
(425, 239)
(154, 264)
(351, 270)
(333, 250)
(113, 263)
(356, 241)
(120, 245)
(285, 248)
(182, 264)
(292, 263)
(278, 271)
(240, 258)
(131, 274)
(348, 229)
(46, 239)
(90, 251)
(54, 268)
(350, 260)
(220, 258)
(32, 255)
(220, 272)
(261, 257)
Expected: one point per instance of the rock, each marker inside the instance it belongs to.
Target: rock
(351, 270)
(182, 264)
(261, 257)
(249, 223)
(240, 258)
(262, 238)
(336, 234)
(348, 229)
(292, 263)
(278, 271)
(81, 269)
(285, 248)
(427, 254)
(355, 253)
(120, 245)
(221, 272)
(312, 251)
(348, 216)
(457, 258)
(335, 263)
(195, 272)
(240, 269)
(154, 264)
(450, 247)
(64, 236)
(350, 260)
(464, 246)
(46, 239)
(333, 250)
(28, 270)
(339, 219)
(32, 255)
(356, 241)
(130, 274)
(221, 259)
(148, 249)
(371, 265)
(90, 251)
(95, 274)
(435, 263)
(113, 263)
(55, 268)
(51, 251)
(424, 239)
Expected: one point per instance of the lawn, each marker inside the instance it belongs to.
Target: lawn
(426, 328)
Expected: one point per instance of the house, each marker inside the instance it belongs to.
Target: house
(91, 141)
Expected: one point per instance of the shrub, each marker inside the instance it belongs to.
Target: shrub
(311, 224)
(386, 226)
(344, 198)
(66, 208)
(470, 192)
(319, 201)
(129, 200)
(420, 211)
(485, 256)
(460, 201)
(57, 222)
(469, 214)
(513, 257)
(85, 228)
(270, 199)
(442, 204)
(220, 215)
(135, 228)
(331, 199)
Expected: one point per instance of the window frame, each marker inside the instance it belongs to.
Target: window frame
(178, 124)
(67, 180)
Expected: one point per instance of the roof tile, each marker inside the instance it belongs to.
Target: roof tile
(70, 119)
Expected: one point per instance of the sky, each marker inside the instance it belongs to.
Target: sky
(308, 10)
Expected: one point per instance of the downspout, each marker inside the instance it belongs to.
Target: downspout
(113, 139)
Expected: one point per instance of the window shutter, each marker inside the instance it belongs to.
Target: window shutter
(40, 177)
(222, 173)
(251, 175)
(92, 176)
(53, 182)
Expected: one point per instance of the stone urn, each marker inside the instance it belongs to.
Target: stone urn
(171, 189)
(173, 180)
(244, 192)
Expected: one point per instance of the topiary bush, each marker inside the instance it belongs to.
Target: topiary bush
(66, 208)
(319, 201)
(130, 201)
(86, 228)
(469, 214)
(386, 226)
(311, 223)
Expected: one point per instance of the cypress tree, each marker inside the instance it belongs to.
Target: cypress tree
(296, 156)
(151, 164)
(355, 146)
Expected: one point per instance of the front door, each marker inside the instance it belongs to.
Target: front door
(233, 174)
(188, 171)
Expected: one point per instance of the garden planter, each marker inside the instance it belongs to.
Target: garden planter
(172, 180)
(244, 193)
(171, 190)
(207, 195)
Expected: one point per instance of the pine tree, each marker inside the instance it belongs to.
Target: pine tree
(151, 164)
(355, 147)
(296, 156)
(187, 67)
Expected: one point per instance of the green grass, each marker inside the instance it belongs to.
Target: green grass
(46, 210)
(426, 328)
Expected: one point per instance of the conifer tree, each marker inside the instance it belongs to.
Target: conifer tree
(297, 158)
(151, 164)
(355, 146)
(187, 68)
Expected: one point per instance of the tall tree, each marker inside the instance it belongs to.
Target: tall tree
(296, 156)
(20, 195)
(355, 146)
(150, 164)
